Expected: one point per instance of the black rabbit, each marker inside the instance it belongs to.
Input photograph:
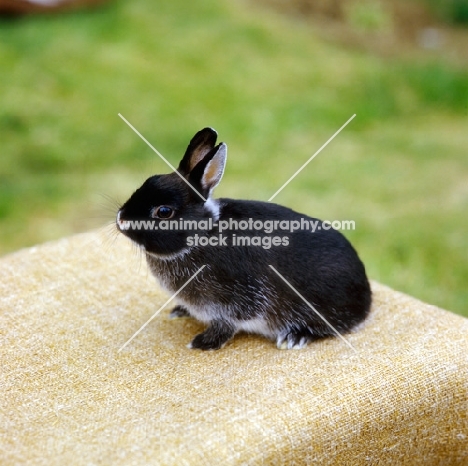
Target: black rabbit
(321, 286)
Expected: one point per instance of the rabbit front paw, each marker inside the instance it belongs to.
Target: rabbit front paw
(214, 337)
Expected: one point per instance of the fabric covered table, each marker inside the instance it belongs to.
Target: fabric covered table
(68, 397)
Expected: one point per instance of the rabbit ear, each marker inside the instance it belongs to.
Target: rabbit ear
(209, 171)
(214, 169)
(200, 145)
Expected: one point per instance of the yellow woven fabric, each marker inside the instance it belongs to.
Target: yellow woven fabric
(68, 397)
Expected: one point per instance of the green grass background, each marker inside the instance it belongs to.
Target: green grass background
(275, 90)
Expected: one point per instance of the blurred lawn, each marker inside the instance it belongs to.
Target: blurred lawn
(274, 90)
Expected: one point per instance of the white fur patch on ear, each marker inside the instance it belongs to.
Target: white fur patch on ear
(214, 169)
(213, 207)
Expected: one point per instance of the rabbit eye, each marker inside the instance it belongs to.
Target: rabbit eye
(163, 212)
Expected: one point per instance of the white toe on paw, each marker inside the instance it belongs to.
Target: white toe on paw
(289, 341)
(281, 342)
(302, 344)
(283, 345)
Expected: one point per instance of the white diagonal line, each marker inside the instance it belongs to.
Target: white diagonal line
(313, 308)
(303, 166)
(162, 307)
(158, 153)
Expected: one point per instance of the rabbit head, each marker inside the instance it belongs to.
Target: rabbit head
(184, 194)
